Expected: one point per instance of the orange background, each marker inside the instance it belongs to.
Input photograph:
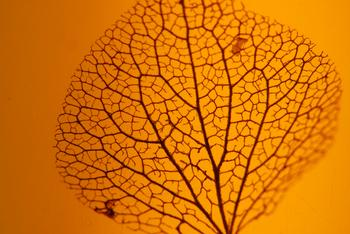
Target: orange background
(42, 42)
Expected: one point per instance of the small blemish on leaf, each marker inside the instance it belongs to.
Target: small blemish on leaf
(239, 45)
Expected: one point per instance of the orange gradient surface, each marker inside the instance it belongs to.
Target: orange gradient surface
(41, 45)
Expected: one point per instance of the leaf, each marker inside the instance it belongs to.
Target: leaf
(195, 117)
